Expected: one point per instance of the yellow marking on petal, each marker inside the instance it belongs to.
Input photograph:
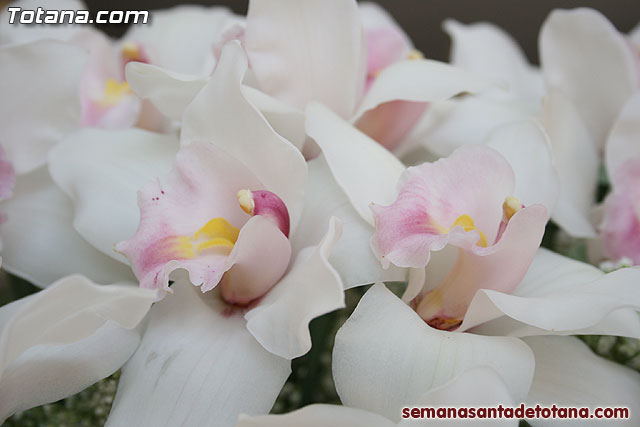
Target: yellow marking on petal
(183, 247)
(218, 228)
(441, 229)
(113, 92)
(245, 199)
(130, 51)
(415, 54)
(510, 206)
(214, 243)
(217, 233)
(466, 222)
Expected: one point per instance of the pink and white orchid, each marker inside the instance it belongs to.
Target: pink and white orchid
(262, 277)
(74, 78)
(465, 201)
(579, 51)
(103, 98)
(387, 355)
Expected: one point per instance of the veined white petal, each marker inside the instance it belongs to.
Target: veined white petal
(196, 365)
(560, 296)
(480, 386)
(569, 374)
(386, 357)
(60, 340)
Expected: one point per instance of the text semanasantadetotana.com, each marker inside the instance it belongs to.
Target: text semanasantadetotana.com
(515, 412)
(51, 16)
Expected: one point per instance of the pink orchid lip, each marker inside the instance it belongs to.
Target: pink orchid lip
(445, 306)
(267, 204)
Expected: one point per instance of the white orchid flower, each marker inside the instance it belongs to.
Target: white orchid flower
(69, 54)
(76, 80)
(579, 50)
(225, 358)
(387, 355)
(60, 340)
(368, 79)
(476, 387)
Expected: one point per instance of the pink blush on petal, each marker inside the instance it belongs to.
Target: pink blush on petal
(621, 228)
(385, 46)
(391, 122)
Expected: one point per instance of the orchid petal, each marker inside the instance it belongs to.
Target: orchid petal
(620, 226)
(214, 116)
(466, 121)
(169, 91)
(351, 256)
(385, 356)
(288, 43)
(196, 365)
(473, 183)
(576, 161)
(480, 386)
(499, 270)
(362, 168)
(420, 80)
(286, 120)
(527, 149)
(182, 38)
(61, 340)
(318, 415)
(579, 49)
(559, 296)
(310, 289)
(102, 171)
(561, 364)
(258, 260)
(385, 39)
(623, 143)
(40, 243)
(486, 49)
(32, 123)
(175, 212)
